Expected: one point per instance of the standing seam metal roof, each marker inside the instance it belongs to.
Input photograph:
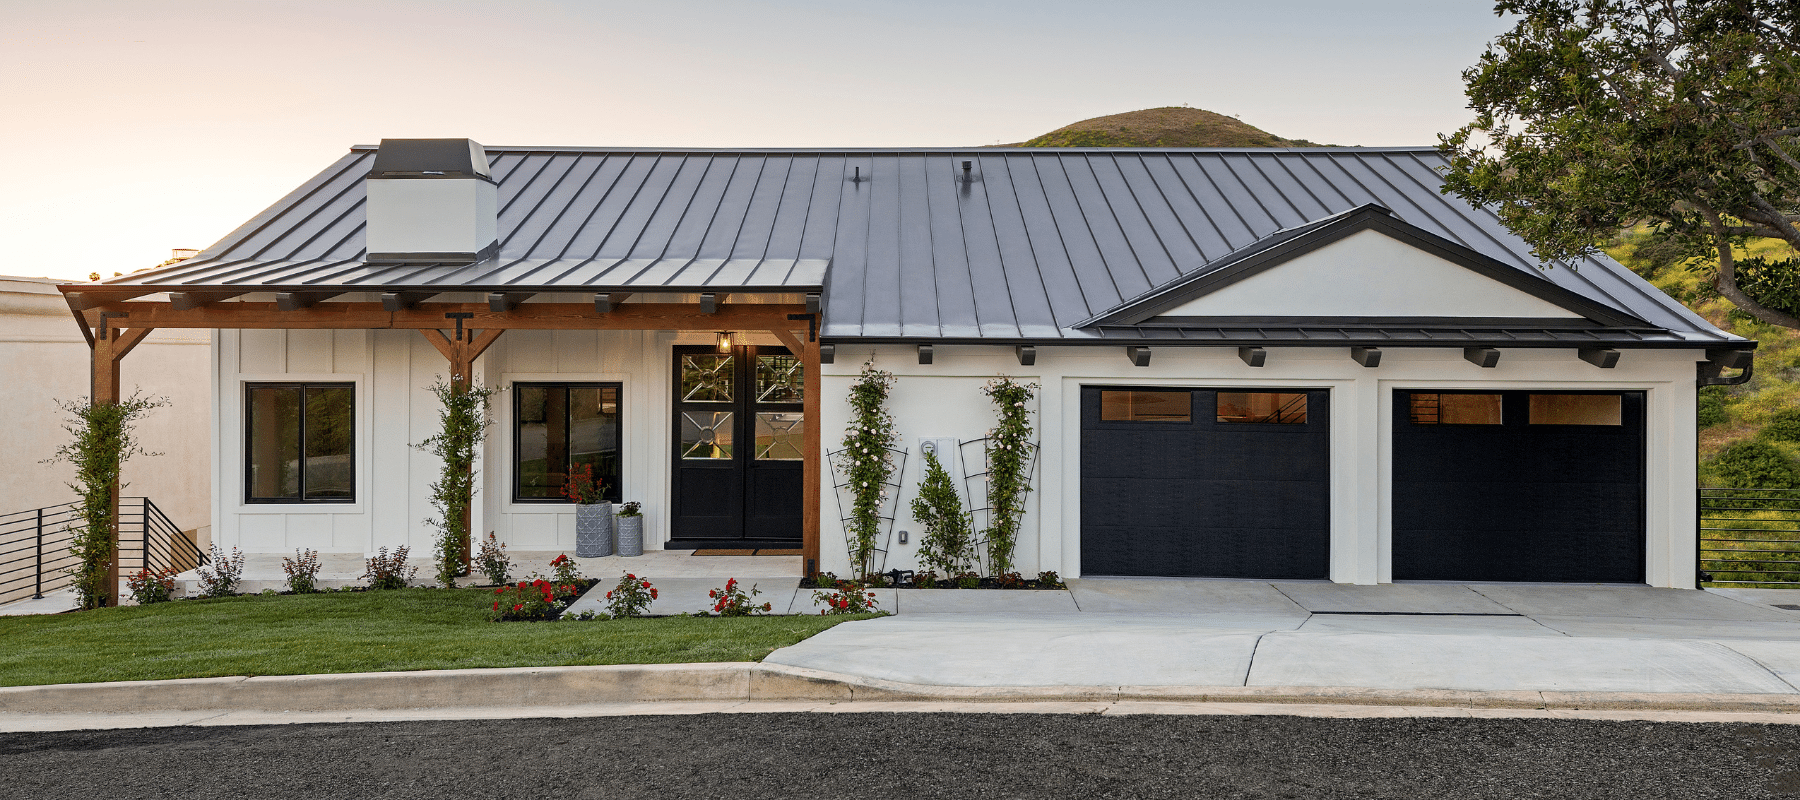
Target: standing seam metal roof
(1026, 245)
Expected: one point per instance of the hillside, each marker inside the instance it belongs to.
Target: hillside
(1170, 126)
(1749, 434)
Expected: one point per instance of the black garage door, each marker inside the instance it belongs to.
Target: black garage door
(1519, 486)
(1203, 482)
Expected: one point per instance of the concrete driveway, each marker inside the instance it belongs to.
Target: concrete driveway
(1171, 632)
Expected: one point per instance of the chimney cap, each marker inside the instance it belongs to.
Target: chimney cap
(431, 158)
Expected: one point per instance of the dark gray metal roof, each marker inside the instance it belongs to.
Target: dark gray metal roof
(1024, 246)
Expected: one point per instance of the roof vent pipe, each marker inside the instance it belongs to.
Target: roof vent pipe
(431, 201)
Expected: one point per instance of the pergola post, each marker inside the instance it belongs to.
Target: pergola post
(461, 353)
(808, 353)
(109, 347)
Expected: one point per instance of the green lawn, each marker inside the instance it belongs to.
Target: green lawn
(410, 629)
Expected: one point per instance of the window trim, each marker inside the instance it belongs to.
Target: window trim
(249, 433)
(617, 489)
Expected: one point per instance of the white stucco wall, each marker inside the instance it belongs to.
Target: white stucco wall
(44, 359)
(944, 400)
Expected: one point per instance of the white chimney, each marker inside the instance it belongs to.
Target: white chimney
(431, 201)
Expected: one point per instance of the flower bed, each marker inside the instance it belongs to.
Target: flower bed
(908, 579)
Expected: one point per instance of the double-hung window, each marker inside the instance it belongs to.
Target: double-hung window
(299, 443)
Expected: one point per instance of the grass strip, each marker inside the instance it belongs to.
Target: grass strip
(407, 629)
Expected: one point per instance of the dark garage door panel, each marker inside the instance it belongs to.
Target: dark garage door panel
(1205, 498)
(1519, 502)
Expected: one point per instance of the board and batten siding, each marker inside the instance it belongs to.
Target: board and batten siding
(944, 400)
(393, 371)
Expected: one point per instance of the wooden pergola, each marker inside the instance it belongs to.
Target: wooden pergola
(114, 322)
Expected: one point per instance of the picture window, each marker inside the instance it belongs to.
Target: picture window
(300, 443)
(557, 426)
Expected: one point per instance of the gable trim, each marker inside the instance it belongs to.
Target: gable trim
(1284, 246)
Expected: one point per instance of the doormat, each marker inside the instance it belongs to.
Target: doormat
(719, 551)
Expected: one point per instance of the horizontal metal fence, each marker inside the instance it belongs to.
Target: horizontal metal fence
(1750, 537)
(34, 546)
(34, 552)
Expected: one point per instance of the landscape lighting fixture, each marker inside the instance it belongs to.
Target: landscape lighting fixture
(724, 341)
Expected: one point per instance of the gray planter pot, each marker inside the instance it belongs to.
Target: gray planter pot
(631, 536)
(594, 530)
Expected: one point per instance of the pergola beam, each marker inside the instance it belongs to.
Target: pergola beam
(807, 350)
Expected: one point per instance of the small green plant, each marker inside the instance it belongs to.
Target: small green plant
(1048, 579)
(302, 571)
(925, 579)
(386, 571)
(463, 420)
(867, 461)
(632, 509)
(967, 580)
(849, 597)
(492, 561)
(631, 597)
(152, 586)
(733, 601)
(948, 543)
(564, 570)
(101, 439)
(220, 578)
(585, 616)
(1009, 452)
(531, 601)
(1010, 580)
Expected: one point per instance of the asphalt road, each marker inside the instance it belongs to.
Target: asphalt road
(914, 756)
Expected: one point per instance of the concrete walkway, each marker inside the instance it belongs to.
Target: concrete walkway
(1491, 637)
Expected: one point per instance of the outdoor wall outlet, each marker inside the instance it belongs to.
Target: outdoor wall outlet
(903, 537)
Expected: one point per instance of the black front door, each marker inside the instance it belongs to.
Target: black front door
(1205, 483)
(739, 444)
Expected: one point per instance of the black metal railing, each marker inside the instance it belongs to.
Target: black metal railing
(34, 552)
(34, 546)
(1750, 537)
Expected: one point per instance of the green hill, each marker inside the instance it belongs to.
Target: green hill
(1170, 126)
(1749, 434)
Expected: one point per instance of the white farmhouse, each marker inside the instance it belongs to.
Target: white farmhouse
(1267, 363)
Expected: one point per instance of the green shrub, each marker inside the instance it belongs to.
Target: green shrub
(1756, 465)
(1712, 406)
(1784, 426)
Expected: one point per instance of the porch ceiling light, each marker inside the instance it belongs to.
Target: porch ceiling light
(724, 341)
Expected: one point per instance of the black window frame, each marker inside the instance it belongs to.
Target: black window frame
(614, 490)
(301, 387)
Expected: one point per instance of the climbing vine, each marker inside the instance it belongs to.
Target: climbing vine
(101, 440)
(462, 425)
(867, 460)
(1009, 452)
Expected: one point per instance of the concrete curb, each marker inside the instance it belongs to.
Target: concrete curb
(556, 687)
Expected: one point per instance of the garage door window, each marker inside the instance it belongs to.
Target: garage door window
(1455, 409)
(1576, 409)
(1281, 408)
(1146, 405)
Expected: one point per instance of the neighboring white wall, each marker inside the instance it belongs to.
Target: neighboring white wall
(44, 359)
(944, 400)
(1369, 274)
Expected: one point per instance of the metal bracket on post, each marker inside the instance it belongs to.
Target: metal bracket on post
(812, 325)
(459, 316)
(106, 315)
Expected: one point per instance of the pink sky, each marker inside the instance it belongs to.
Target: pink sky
(137, 126)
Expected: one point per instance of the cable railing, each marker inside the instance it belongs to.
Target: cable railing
(1750, 538)
(34, 546)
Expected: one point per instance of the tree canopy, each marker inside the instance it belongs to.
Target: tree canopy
(1593, 115)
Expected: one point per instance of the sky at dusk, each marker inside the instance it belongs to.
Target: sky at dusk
(137, 126)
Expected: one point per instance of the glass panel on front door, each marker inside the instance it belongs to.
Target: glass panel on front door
(740, 445)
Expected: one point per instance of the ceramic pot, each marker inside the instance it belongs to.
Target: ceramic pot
(631, 535)
(594, 530)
